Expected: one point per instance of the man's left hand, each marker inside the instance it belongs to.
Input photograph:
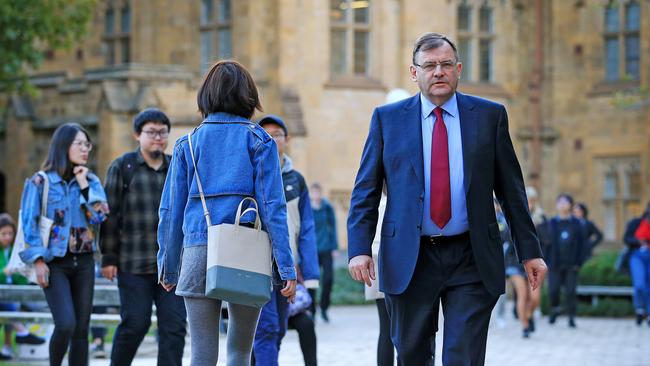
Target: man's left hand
(167, 286)
(536, 270)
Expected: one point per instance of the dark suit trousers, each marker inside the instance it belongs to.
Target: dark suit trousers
(445, 273)
(566, 277)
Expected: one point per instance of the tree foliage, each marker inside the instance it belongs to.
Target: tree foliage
(29, 27)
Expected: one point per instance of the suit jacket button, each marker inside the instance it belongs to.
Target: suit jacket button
(419, 227)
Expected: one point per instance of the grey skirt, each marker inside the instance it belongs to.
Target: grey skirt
(191, 282)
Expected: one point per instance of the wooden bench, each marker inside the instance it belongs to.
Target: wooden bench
(597, 291)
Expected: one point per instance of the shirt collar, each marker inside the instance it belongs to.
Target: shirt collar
(140, 160)
(224, 117)
(54, 177)
(450, 106)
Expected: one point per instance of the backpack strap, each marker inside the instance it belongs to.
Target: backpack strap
(127, 168)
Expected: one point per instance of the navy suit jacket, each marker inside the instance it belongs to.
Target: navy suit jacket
(393, 153)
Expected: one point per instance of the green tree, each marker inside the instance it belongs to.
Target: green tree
(29, 27)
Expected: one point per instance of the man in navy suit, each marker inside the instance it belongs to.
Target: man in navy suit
(441, 154)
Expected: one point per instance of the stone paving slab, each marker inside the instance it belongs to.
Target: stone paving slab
(350, 339)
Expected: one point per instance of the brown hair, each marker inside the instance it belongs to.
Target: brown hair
(228, 87)
(430, 41)
(6, 220)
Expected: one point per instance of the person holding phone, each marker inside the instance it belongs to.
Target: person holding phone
(76, 202)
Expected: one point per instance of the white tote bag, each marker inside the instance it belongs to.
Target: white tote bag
(16, 265)
(239, 262)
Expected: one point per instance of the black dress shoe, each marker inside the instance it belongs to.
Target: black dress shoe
(572, 323)
(526, 333)
(324, 316)
(551, 318)
(639, 318)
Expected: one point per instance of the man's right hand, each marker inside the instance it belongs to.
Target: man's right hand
(109, 272)
(362, 269)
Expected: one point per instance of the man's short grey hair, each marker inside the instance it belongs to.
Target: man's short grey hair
(429, 41)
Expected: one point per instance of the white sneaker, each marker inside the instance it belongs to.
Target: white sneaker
(6, 354)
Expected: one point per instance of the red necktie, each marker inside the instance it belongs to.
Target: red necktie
(440, 203)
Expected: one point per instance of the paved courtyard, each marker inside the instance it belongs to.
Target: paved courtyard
(350, 339)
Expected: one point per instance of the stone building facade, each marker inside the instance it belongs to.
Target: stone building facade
(324, 65)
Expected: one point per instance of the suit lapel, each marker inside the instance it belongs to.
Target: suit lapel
(411, 115)
(469, 134)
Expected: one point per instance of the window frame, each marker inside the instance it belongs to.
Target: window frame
(119, 40)
(476, 37)
(621, 35)
(215, 25)
(350, 27)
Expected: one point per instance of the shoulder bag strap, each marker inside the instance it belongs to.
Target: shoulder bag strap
(46, 192)
(206, 213)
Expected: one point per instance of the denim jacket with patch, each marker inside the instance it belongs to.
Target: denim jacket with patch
(236, 159)
(69, 210)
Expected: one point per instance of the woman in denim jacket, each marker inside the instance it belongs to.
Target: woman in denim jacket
(65, 268)
(236, 158)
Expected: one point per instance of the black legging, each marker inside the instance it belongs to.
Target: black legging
(304, 324)
(69, 296)
(385, 350)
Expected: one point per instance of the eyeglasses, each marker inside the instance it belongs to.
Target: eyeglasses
(156, 134)
(83, 144)
(277, 136)
(432, 66)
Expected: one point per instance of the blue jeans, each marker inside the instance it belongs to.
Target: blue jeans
(70, 296)
(137, 294)
(640, 273)
(271, 328)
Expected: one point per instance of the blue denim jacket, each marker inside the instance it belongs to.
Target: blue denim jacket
(236, 158)
(69, 210)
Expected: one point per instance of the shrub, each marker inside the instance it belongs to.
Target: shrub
(599, 271)
(346, 291)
